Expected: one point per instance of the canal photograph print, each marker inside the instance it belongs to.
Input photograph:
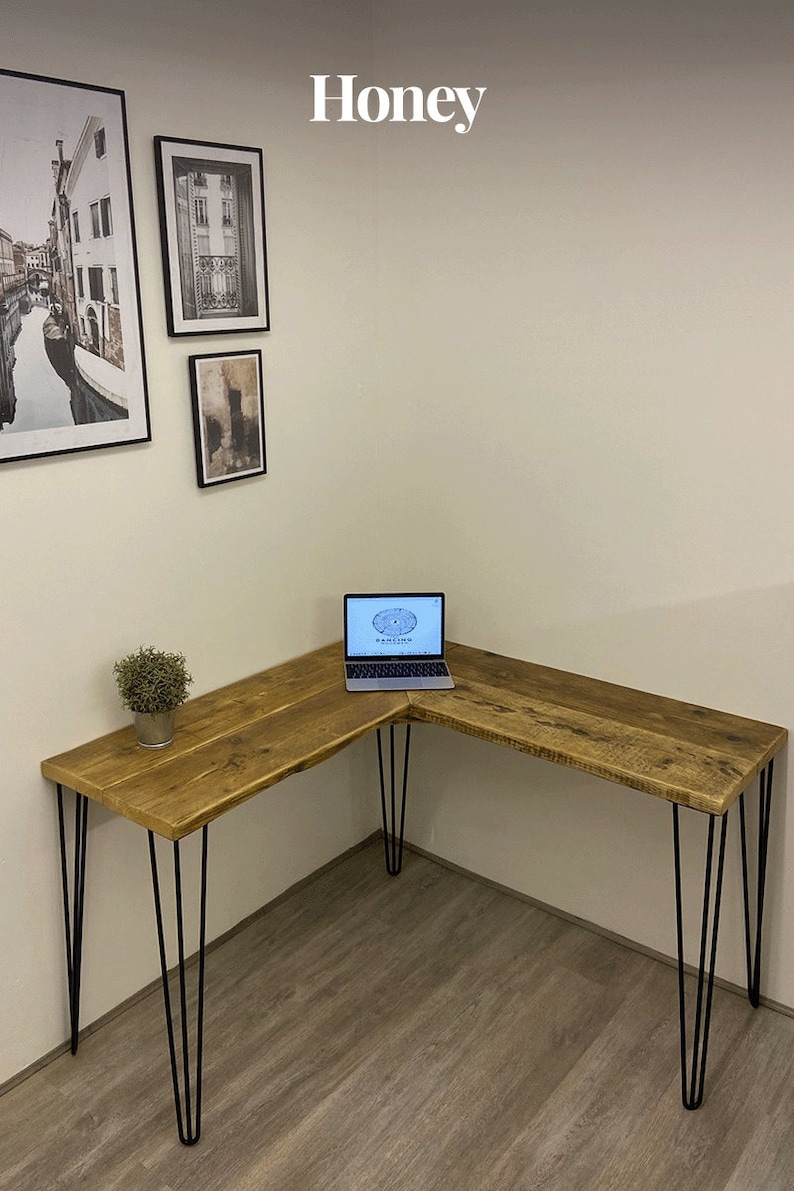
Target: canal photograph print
(228, 416)
(212, 222)
(72, 369)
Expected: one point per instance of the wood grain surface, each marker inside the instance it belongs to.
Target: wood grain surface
(243, 738)
(696, 756)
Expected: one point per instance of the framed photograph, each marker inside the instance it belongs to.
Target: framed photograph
(228, 416)
(212, 223)
(72, 371)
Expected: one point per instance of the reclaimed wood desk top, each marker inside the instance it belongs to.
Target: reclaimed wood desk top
(238, 740)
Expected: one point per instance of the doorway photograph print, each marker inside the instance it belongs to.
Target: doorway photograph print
(212, 220)
(72, 371)
(228, 416)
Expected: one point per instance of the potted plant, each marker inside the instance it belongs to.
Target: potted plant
(152, 684)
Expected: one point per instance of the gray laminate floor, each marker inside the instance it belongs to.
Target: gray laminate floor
(425, 1033)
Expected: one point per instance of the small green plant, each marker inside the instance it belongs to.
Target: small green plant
(152, 681)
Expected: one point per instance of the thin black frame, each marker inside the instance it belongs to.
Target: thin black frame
(211, 391)
(65, 144)
(215, 192)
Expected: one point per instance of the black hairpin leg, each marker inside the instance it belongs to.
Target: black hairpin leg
(392, 834)
(74, 904)
(754, 951)
(692, 1082)
(187, 1099)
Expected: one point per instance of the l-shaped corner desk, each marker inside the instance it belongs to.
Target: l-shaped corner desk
(235, 742)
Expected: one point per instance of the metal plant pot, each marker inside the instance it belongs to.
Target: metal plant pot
(155, 729)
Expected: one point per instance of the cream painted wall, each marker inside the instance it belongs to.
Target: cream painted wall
(110, 549)
(594, 365)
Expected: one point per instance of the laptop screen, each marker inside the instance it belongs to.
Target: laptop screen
(394, 626)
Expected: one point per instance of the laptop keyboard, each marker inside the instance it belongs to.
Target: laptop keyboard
(397, 669)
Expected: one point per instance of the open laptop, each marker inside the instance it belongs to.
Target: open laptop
(395, 642)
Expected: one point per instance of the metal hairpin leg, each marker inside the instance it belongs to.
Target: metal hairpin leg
(392, 835)
(692, 1083)
(186, 1102)
(74, 905)
(754, 951)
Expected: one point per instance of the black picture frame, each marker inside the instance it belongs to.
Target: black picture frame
(212, 224)
(72, 362)
(228, 416)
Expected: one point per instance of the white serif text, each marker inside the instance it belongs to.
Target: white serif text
(397, 105)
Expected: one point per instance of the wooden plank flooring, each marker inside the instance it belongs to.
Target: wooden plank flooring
(426, 1033)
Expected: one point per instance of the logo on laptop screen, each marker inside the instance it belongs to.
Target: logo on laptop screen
(394, 622)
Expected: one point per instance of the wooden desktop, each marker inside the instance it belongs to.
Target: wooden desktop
(235, 742)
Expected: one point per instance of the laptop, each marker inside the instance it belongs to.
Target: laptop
(395, 642)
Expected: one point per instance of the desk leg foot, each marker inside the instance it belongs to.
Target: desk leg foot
(393, 835)
(753, 952)
(187, 1099)
(692, 1082)
(74, 904)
